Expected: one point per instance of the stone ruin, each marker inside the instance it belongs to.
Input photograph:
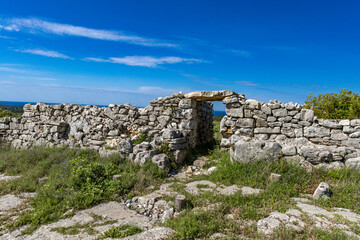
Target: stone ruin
(250, 129)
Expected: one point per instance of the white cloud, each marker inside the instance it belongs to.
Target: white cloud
(5, 37)
(34, 25)
(8, 83)
(34, 78)
(145, 61)
(45, 53)
(148, 90)
(11, 69)
(20, 68)
(92, 59)
(246, 83)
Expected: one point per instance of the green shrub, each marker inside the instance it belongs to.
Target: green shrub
(78, 179)
(343, 105)
(5, 113)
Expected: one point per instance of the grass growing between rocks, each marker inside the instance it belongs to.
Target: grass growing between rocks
(121, 232)
(77, 179)
(209, 213)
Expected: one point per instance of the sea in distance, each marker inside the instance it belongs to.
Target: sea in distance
(21, 104)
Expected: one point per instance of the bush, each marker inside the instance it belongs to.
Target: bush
(344, 105)
(5, 113)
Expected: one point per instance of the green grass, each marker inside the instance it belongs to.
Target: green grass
(121, 232)
(78, 179)
(345, 183)
(78, 228)
(216, 129)
(141, 138)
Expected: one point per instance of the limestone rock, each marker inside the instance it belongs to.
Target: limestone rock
(143, 157)
(250, 151)
(125, 146)
(162, 161)
(210, 96)
(267, 226)
(323, 190)
(353, 163)
(274, 177)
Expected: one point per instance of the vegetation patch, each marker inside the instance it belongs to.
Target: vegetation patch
(246, 210)
(121, 232)
(6, 113)
(78, 179)
(342, 105)
(142, 138)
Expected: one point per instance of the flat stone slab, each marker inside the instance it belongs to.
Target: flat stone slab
(250, 191)
(154, 234)
(230, 190)
(200, 186)
(7, 178)
(210, 96)
(118, 211)
(109, 211)
(321, 218)
(9, 201)
(314, 211)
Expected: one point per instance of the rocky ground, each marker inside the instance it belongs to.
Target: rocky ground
(149, 212)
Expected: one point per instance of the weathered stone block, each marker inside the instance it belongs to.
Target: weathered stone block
(289, 150)
(162, 161)
(235, 112)
(313, 131)
(266, 109)
(245, 122)
(252, 104)
(307, 115)
(250, 151)
(279, 112)
(275, 130)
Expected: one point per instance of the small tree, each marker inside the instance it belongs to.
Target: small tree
(345, 104)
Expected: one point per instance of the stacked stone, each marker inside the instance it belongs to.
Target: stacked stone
(71, 125)
(205, 128)
(110, 129)
(295, 128)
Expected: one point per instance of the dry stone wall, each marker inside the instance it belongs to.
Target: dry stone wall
(179, 122)
(250, 129)
(254, 129)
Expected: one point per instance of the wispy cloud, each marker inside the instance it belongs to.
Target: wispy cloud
(20, 68)
(4, 68)
(145, 61)
(148, 90)
(8, 83)
(34, 78)
(46, 53)
(6, 37)
(35, 25)
(246, 83)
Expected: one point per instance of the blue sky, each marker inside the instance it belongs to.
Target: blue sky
(102, 52)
